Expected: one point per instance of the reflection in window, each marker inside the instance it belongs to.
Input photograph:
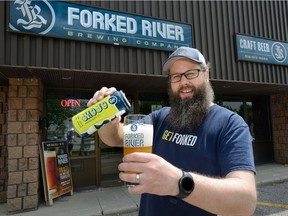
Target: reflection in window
(59, 114)
(234, 106)
(149, 102)
(244, 109)
(256, 114)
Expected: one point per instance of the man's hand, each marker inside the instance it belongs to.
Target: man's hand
(157, 176)
(99, 95)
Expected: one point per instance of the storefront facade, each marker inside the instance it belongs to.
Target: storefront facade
(48, 75)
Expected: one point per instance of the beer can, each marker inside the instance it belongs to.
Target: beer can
(94, 117)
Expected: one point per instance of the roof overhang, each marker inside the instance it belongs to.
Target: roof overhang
(91, 80)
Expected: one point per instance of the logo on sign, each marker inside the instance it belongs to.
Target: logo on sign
(279, 52)
(28, 16)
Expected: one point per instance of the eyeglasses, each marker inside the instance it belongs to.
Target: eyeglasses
(191, 74)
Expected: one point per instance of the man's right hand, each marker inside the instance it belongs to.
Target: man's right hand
(111, 133)
(100, 94)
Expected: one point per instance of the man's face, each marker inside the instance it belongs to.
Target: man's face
(188, 96)
(186, 88)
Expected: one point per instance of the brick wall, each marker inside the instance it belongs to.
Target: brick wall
(3, 146)
(25, 107)
(279, 116)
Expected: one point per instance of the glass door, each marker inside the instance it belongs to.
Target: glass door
(82, 151)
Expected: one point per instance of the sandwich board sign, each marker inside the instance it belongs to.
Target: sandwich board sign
(56, 170)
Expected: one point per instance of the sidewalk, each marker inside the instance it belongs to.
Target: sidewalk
(118, 201)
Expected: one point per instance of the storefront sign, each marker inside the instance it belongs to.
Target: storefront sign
(261, 50)
(74, 21)
(56, 170)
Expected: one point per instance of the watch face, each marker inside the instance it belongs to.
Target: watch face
(187, 183)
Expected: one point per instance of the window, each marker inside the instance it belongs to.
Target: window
(149, 102)
(255, 111)
(60, 127)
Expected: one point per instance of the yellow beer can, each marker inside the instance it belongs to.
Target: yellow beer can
(94, 117)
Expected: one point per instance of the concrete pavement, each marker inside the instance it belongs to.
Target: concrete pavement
(118, 201)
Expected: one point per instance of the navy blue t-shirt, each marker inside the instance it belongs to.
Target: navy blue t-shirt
(221, 144)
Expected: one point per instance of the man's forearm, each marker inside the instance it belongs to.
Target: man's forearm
(228, 196)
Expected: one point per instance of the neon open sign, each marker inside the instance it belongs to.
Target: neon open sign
(70, 103)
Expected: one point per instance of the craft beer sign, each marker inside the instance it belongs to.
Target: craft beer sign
(261, 50)
(74, 21)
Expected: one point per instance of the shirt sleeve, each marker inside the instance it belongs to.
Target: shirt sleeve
(235, 146)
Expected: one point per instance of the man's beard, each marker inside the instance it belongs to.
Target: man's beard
(188, 113)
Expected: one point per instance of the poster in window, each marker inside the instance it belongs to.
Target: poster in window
(56, 169)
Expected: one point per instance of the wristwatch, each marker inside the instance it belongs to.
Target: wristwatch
(186, 185)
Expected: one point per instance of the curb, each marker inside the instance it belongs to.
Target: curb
(267, 182)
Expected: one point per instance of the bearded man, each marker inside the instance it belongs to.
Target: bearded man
(202, 161)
